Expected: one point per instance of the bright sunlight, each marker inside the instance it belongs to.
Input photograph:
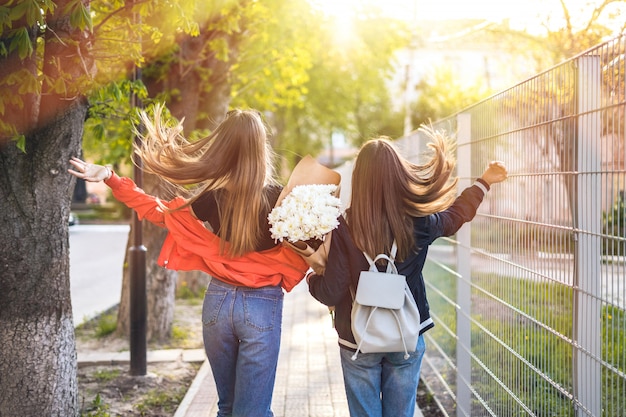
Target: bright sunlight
(529, 15)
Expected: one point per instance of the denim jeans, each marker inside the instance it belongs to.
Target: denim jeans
(382, 384)
(241, 332)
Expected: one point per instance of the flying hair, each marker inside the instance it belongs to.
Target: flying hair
(235, 157)
(388, 190)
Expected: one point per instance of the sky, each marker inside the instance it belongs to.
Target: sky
(521, 13)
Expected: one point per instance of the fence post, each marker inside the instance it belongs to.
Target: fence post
(463, 267)
(588, 214)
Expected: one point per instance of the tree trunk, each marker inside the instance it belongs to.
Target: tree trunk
(202, 103)
(37, 346)
(160, 282)
(200, 80)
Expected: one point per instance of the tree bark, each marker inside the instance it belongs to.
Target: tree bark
(37, 345)
(200, 80)
(38, 365)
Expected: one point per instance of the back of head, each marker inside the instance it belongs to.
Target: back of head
(242, 153)
(387, 191)
(235, 157)
(237, 151)
(236, 148)
(377, 214)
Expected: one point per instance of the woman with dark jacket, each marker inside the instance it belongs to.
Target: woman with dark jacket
(391, 199)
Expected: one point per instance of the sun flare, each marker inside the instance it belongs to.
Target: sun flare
(530, 15)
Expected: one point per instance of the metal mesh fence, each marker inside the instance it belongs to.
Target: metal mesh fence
(529, 299)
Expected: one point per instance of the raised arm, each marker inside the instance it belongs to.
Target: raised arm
(124, 190)
(89, 172)
(494, 173)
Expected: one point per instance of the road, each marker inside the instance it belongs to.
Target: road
(96, 261)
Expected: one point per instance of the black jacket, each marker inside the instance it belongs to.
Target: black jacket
(346, 261)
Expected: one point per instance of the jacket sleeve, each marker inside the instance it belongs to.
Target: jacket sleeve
(463, 210)
(332, 287)
(147, 207)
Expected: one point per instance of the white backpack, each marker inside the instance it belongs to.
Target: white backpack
(385, 317)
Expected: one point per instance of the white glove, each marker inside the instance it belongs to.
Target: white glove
(89, 172)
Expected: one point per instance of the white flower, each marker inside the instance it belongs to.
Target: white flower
(307, 212)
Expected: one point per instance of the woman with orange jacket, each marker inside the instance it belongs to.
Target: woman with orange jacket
(221, 228)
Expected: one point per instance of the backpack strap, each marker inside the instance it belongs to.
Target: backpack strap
(391, 266)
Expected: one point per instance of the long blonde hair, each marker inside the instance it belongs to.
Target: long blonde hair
(235, 157)
(388, 190)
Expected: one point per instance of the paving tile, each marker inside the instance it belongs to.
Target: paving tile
(309, 382)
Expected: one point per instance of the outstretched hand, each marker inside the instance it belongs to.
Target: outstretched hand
(495, 172)
(89, 172)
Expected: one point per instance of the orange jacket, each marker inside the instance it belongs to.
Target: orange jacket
(191, 246)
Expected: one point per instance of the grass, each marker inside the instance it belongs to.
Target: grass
(104, 375)
(162, 400)
(97, 408)
(106, 324)
(102, 325)
(521, 333)
(180, 336)
(184, 292)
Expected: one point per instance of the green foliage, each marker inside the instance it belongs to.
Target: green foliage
(282, 53)
(109, 128)
(614, 225)
(179, 336)
(166, 401)
(20, 142)
(16, 19)
(106, 324)
(184, 292)
(79, 15)
(104, 375)
(341, 86)
(509, 344)
(441, 94)
(20, 42)
(30, 10)
(97, 408)
(613, 348)
(273, 60)
(441, 287)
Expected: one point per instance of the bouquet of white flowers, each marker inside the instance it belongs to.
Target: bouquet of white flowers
(307, 212)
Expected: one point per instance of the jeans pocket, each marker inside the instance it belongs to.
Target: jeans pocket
(260, 310)
(213, 301)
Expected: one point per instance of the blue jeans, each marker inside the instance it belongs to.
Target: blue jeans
(382, 384)
(241, 332)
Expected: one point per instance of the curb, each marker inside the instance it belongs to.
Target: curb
(154, 356)
(204, 373)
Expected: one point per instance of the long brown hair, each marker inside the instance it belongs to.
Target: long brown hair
(235, 157)
(388, 190)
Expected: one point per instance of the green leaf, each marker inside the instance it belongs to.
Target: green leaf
(116, 92)
(20, 142)
(5, 19)
(30, 10)
(19, 10)
(21, 42)
(79, 15)
(28, 83)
